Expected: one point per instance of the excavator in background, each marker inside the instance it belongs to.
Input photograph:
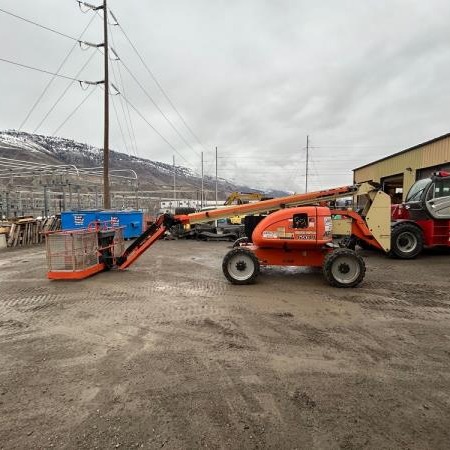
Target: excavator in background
(241, 198)
(297, 232)
(230, 228)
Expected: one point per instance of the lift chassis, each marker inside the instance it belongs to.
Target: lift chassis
(297, 231)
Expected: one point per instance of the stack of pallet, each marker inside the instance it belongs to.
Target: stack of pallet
(28, 230)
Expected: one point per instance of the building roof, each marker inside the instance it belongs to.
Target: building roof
(404, 151)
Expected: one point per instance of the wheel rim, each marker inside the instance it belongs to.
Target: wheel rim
(345, 270)
(406, 242)
(241, 267)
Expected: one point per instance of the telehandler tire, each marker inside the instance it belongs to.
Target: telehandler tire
(343, 268)
(240, 266)
(406, 241)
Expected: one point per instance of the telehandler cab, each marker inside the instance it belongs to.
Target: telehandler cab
(423, 220)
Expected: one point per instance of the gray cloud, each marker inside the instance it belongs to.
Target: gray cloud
(363, 79)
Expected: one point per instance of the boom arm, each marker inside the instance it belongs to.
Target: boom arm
(273, 204)
(145, 240)
(374, 230)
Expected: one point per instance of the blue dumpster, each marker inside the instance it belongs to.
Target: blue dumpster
(72, 220)
(132, 221)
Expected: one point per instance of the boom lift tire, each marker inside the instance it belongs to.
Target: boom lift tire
(406, 241)
(343, 268)
(240, 266)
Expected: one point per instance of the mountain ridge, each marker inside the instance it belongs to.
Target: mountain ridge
(51, 150)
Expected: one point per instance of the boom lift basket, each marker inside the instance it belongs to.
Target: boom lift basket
(78, 254)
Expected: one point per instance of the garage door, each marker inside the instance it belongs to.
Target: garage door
(427, 172)
(393, 186)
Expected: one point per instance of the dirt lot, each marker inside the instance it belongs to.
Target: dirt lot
(168, 354)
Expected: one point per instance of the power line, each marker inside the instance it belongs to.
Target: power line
(151, 98)
(74, 111)
(120, 127)
(155, 130)
(41, 70)
(157, 107)
(157, 82)
(63, 93)
(352, 146)
(54, 76)
(122, 87)
(125, 116)
(133, 140)
(39, 25)
(133, 148)
(123, 112)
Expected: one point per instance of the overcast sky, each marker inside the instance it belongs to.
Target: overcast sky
(362, 78)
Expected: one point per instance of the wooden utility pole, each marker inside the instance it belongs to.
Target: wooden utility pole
(201, 198)
(174, 180)
(216, 178)
(70, 197)
(307, 163)
(106, 192)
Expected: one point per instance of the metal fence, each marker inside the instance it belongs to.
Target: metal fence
(49, 201)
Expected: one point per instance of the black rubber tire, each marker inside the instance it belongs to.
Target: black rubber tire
(241, 240)
(246, 254)
(402, 231)
(184, 210)
(333, 257)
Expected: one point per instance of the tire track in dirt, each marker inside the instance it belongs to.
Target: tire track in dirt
(402, 300)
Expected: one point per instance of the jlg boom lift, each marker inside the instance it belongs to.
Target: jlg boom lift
(298, 232)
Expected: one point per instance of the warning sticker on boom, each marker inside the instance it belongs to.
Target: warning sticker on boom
(305, 235)
(270, 235)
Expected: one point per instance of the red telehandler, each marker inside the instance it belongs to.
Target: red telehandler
(297, 232)
(423, 220)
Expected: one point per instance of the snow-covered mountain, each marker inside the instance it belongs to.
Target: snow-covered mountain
(151, 174)
(56, 150)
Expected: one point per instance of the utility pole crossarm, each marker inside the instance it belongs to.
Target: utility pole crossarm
(216, 180)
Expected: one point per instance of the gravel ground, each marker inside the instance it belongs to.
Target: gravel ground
(169, 354)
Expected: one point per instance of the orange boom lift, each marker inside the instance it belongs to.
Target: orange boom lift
(297, 232)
